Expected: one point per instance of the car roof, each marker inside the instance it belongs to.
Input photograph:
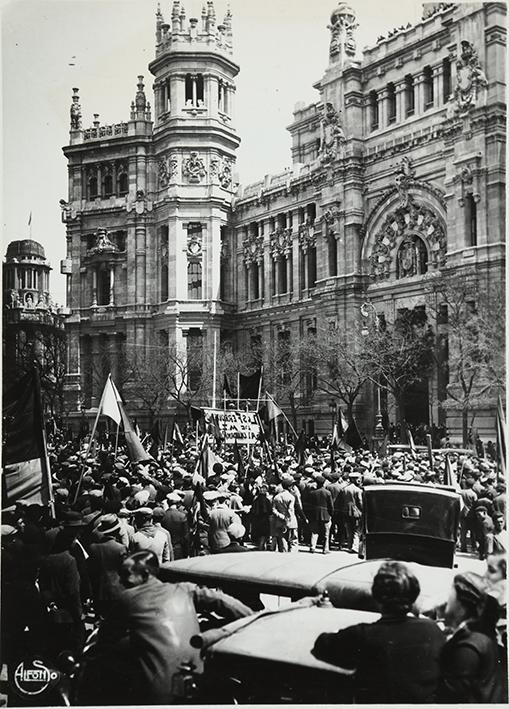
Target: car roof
(270, 572)
(288, 636)
(350, 587)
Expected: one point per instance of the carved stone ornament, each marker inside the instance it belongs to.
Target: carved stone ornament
(403, 179)
(225, 174)
(75, 111)
(280, 242)
(307, 236)
(68, 213)
(342, 26)
(470, 78)
(331, 134)
(102, 243)
(407, 220)
(214, 167)
(412, 259)
(194, 168)
(163, 175)
(468, 177)
(253, 249)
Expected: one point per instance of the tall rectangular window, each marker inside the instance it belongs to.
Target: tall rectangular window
(373, 110)
(409, 95)
(194, 358)
(194, 280)
(446, 76)
(333, 256)
(428, 87)
(312, 267)
(391, 102)
(471, 220)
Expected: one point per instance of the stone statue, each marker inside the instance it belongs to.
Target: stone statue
(102, 243)
(470, 78)
(342, 26)
(332, 134)
(225, 175)
(75, 111)
(403, 178)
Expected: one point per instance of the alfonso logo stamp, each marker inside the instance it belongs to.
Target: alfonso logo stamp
(33, 677)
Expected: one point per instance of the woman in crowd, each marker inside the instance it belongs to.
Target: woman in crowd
(396, 658)
(470, 665)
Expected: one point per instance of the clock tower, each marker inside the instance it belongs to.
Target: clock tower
(194, 143)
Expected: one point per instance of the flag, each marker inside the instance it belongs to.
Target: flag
(300, 447)
(450, 478)
(411, 442)
(430, 451)
(165, 437)
(341, 422)
(501, 438)
(109, 401)
(352, 436)
(237, 458)
(227, 392)
(176, 434)
(137, 452)
(249, 385)
(26, 474)
(30, 218)
(273, 409)
(336, 438)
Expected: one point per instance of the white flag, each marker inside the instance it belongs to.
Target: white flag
(109, 401)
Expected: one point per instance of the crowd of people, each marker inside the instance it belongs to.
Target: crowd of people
(114, 522)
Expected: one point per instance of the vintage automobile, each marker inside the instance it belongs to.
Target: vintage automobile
(413, 523)
(266, 658)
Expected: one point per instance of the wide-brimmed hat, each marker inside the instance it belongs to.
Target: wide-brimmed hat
(108, 524)
(71, 518)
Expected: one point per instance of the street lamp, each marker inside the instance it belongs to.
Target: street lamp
(333, 407)
(366, 308)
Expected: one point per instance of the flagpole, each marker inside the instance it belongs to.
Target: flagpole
(214, 372)
(116, 439)
(45, 464)
(89, 445)
(286, 417)
(238, 391)
(259, 388)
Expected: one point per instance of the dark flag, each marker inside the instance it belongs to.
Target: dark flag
(26, 475)
(501, 438)
(237, 458)
(135, 449)
(249, 385)
(155, 434)
(352, 436)
(227, 392)
(300, 447)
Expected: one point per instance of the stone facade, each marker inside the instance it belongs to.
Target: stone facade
(398, 171)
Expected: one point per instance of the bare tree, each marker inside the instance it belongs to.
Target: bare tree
(473, 323)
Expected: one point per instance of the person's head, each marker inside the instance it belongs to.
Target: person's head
(496, 568)
(142, 517)
(137, 568)
(395, 588)
(467, 599)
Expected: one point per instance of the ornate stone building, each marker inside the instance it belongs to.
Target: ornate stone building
(33, 326)
(398, 171)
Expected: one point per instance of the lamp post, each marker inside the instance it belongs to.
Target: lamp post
(366, 308)
(333, 407)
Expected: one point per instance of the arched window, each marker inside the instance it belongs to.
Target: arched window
(122, 183)
(333, 256)
(194, 280)
(108, 185)
(92, 188)
(412, 259)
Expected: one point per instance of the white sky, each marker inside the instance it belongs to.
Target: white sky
(281, 46)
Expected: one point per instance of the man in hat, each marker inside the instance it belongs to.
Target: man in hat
(175, 522)
(143, 642)
(105, 556)
(320, 510)
(220, 518)
(350, 501)
(148, 536)
(284, 518)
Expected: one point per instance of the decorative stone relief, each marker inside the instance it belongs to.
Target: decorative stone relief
(342, 26)
(307, 236)
(403, 179)
(214, 167)
(253, 249)
(468, 179)
(280, 242)
(331, 134)
(102, 243)
(470, 78)
(163, 175)
(225, 174)
(412, 259)
(407, 220)
(68, 213)
(75, 111)
(194, 168)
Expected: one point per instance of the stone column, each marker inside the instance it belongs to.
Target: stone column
(180, 91)
(94, 287)
(195, 95)
(419, 93)
(400, 101)
(275, 261)
(438, 84)
(383, 108)
(112, 285)
(288, 271)
(304, 284)
(248, 283)
(260, 278)
(140, 168)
